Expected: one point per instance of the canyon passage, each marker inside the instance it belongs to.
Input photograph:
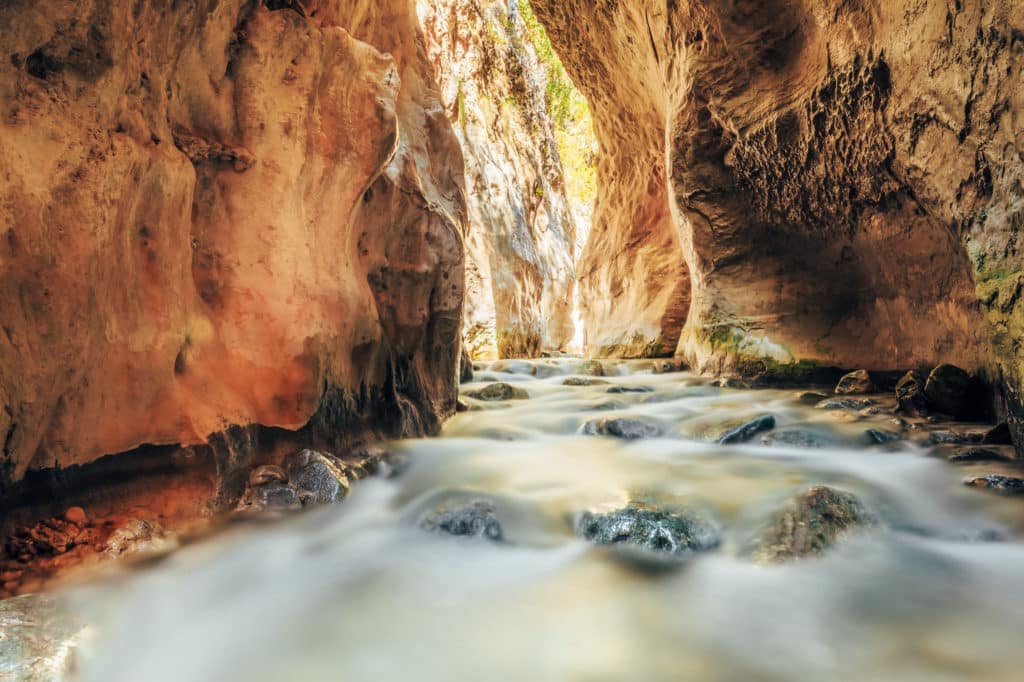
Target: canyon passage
(482, 339)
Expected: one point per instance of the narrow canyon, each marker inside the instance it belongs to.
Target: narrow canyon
(246, 244)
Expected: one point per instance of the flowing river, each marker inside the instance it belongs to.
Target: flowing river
(360, 591)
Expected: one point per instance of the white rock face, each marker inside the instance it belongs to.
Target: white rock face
(519, 242)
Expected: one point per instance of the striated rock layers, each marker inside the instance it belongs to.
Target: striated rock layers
(519, 243)
(839, 182)
(218, 213)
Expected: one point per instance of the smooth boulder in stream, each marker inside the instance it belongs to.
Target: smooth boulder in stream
(809, 524)
(499, 391)
(626, 429)
(674, 533)
(746, 431)
(466, 518)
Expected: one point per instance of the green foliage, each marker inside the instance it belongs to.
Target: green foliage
(569, 113)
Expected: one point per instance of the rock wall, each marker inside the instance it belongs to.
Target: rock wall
(843, 180)
(218, 213)
(520, 237)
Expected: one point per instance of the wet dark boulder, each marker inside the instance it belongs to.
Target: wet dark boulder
(881, 436)
(855, 383)
(466, 518)
(674, 532)
(809, 524)
(947, 390)
(318, 478)
(630, 389)
(746, 431)
(498, 392)
(624, 428)
(798, 437)
(811, 397)
(910, 398)
(998, 435)
(1008, 485)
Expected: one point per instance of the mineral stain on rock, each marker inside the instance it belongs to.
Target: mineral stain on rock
(809, 525)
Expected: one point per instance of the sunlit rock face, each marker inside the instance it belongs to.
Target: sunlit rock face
(221, 213)
(520, 235)
(841, 180)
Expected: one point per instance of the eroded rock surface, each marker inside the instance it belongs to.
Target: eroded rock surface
(839, 182)
(520, 234)
(217, 213)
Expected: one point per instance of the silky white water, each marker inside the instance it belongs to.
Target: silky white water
(358, 591)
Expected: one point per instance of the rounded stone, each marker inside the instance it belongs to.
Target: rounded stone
(675, 532)
(855, 383)
(626, 429)
(75, 515)
(499, 391)
(746, 431)
(466, 518)
(809, 524)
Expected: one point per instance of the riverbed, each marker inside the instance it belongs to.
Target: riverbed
(361, 591)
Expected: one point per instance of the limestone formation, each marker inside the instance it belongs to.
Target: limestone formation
(839, 183)
(220, 213)
(520, 232)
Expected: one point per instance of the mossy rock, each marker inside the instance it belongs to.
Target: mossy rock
(673, 532)
(810, 524)
(499, 391)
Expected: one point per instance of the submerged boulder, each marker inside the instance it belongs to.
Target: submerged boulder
(583, 381)
(592, 368)
(881, 436)
(626, 429)
(799, 437)
(855, 383)
(947, 390)
(845, 404)
(499, 391)
(673, 532)
(630, 389)
(746, 431)
(809, 524)
(469, 518)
